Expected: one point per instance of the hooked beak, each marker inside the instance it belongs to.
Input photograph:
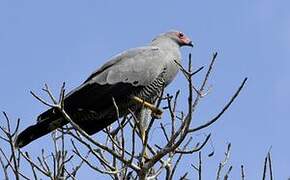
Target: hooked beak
(186, 42)
(189, 44)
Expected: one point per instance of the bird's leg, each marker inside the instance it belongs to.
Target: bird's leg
(143, 125)
(144, 116)
(157, 113)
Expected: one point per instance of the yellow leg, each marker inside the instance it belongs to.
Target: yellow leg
(155, 111)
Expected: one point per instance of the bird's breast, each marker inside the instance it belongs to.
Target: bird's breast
(171, 68)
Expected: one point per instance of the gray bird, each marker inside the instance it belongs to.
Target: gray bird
(133, 79)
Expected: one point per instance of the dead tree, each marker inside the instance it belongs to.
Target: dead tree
(122, 153)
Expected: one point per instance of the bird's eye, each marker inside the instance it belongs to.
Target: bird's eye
(181, 34)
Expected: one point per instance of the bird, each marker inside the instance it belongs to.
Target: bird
(131, 80)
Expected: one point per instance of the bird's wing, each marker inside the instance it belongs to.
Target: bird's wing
(137, 66)
(120, 76)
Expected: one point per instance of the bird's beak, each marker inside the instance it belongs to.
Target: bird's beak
(187, 42)
(190, 44)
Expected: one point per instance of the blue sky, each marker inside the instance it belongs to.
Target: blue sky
(55, 41)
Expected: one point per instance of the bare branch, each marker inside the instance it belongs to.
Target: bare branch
(32, 168)
(228, 173)
(4, 168)
(265, 168)
(41, 100)
(10, 137)
(76, 151)
(223, 163)
(17, 173)
(184, 176)
(47, 90)
(164, 132)
(222, 111)
(179, 158)
(196, 149)
(199, 165)
(115, 155)
(242, 172)
(270, 166)
(45, 172)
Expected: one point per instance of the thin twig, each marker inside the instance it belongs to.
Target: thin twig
(45, 172)
(196, 149)
(10, 137)
(222, 111)
(270, 166)
(32, 168)
(179, 158)
(199, 165)
(223, 163)
(242, 172)
(12, 167)
(265, 168)
(41, 100)
(4, 168)
(228, 173)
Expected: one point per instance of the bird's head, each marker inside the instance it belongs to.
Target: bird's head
(180, 38)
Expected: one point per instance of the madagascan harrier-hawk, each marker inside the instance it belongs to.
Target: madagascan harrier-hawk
(133, 78)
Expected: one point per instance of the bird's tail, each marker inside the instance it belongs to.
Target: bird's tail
(38, 130)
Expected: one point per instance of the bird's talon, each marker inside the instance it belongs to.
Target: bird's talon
(156, 112)
(157, 115)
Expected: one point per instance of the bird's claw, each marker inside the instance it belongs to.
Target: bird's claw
(157, 115)
(156, 112)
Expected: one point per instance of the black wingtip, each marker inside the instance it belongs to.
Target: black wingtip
(18, 143)
(32, 133)
(25, 137)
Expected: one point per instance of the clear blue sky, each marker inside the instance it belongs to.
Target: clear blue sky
(55, 41)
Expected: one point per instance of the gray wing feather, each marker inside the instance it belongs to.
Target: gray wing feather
(139, 66)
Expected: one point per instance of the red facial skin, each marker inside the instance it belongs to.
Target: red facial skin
(183, 40)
